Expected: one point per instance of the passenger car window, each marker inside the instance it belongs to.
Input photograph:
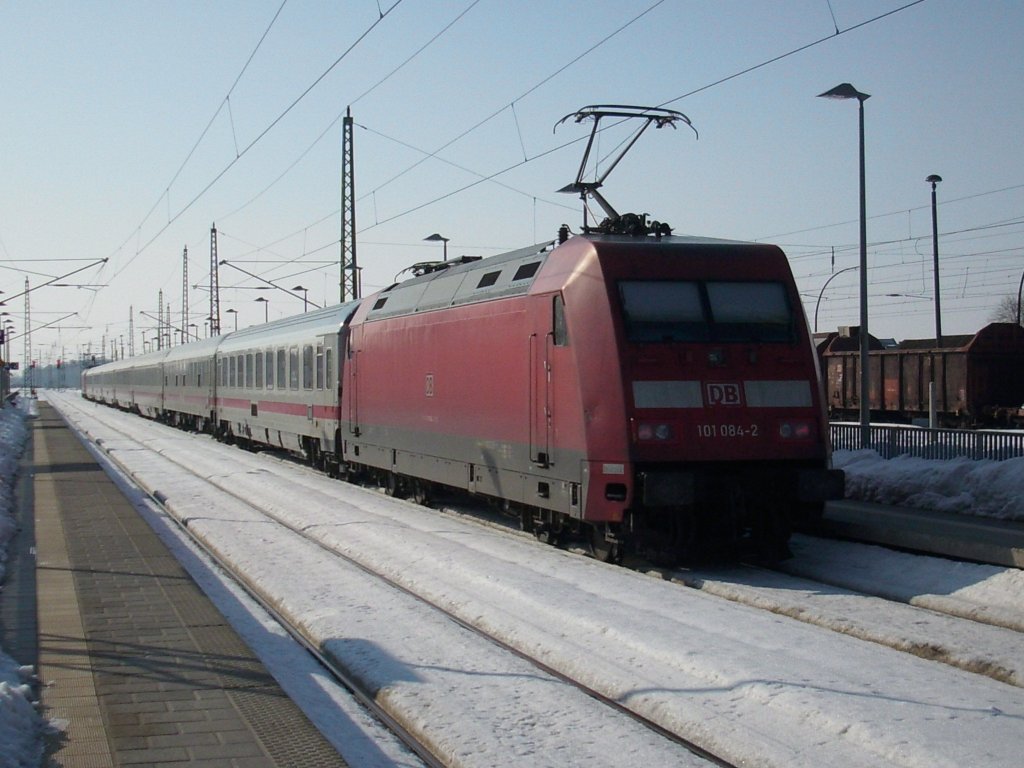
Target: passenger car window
(307, 366)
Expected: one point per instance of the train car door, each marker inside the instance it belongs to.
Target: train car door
(541, 372)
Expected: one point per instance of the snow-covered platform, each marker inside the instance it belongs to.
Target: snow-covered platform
(134, 660)
(983, 539)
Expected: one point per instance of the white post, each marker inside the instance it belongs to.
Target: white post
(933, 408)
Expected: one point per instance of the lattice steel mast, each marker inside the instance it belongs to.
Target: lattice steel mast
(27, 376)
(184, 297)
(214, 284)
(349, 281)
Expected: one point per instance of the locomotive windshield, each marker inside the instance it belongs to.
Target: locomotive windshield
(667, 311)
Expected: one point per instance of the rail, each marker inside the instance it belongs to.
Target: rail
(891, 440)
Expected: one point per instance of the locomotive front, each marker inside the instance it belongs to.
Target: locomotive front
(709, 432)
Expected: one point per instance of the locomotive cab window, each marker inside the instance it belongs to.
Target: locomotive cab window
(663, 311)
(694, 311)
(750, 311)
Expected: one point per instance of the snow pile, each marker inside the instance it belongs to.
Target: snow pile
(20, 723)
(985, 488)
(12, 441)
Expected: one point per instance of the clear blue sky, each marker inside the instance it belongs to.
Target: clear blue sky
(102, 102)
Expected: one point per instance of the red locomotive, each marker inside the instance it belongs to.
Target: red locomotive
(657, 389)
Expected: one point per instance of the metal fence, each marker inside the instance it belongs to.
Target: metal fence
(891, 440)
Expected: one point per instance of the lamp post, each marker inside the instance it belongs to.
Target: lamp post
(1020, 288)
(822, 292)
(234, 312)
(434, 238)
(933, 180)
(305, 300)
(847, 91)
(266, 307)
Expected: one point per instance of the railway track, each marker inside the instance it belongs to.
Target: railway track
(392, 718)
(944, 630)
(646, 675)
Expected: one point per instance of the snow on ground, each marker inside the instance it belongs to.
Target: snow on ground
(985, 488)
(979, 488)
(21, 726)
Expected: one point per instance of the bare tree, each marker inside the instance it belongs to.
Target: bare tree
(1005, 311)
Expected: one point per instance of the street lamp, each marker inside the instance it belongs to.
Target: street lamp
(305, 294)
(434, 238)
(847, 91)
(1020, 288)
(933, 180)
(266, 307)
(234, 312)
(822, 293)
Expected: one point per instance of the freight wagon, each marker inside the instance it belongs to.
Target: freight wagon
(978, 380)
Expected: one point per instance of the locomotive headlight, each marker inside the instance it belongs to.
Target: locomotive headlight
(796, 430)
(660, 432)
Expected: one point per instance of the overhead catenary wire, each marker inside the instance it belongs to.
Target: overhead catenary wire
(434, 154)
(493, 176)
(259, 137)
(542, 154)
(202, 135)
(552, 150)
(327, 129)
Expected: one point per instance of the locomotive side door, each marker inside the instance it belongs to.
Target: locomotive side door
(352, 383)
(542, 339)
(540, 404)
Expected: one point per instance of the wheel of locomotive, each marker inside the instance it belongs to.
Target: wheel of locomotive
(393, 485)
(602, 549)
(421, 492)
(551, 531)
(672, 538)
(526, 521)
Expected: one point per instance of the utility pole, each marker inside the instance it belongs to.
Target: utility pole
(160, 320)
(131, 331)
(349, 269)
(184, 296)
(26, 377)
(214, 284)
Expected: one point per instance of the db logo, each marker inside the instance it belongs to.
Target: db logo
(723, 394)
